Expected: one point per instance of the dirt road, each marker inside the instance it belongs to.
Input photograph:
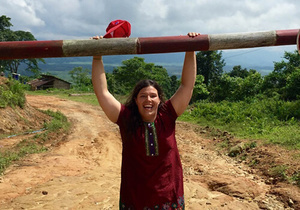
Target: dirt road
(84, 171)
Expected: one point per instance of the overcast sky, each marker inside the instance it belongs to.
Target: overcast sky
(80, 19)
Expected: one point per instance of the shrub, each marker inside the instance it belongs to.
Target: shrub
(12, 94)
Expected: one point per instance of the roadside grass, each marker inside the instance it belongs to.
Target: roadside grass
(268, 120)
(83, 96)
(58, 126)
(280, 172)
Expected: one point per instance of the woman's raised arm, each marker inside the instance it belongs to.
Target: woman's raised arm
(107, 101)
(180, 100)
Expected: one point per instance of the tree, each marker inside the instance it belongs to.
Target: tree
(292, 89)
(283, 79)
(210, 64)
(131, 71)
(8, 35)
(237, 71)
(160, 75)
(4, 23)
(174, 83)
(292, 62)
(200, 89)
(248, 86)
(236, 88)
(81, 78)
(224, 88)
(136, 69)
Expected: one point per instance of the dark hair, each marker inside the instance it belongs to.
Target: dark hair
(135, 118)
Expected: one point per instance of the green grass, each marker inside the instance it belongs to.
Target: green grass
(59, 122)
(279, 172)
(296, 179)
(58, 125)
(274, 121)
(24, 148)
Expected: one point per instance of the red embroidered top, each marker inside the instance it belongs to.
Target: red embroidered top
(151, 175)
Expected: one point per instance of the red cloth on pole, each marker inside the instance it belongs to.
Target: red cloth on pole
(118, 28)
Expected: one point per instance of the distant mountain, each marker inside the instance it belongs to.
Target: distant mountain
(172, 62)
(259, 59)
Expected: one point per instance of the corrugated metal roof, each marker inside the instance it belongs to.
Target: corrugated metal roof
(44, 80)
(38, 82)
(53, 77)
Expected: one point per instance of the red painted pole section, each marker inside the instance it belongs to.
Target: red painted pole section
(172, 44)
(286, 37)
(298, 42)
(30, 49)
(147, 45)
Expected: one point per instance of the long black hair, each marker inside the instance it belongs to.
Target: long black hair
(135, 118)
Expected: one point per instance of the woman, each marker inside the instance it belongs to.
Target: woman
(151, 174)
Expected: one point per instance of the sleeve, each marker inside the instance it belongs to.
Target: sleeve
(121, 115)
(170, 110)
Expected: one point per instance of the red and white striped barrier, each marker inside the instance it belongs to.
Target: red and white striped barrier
(146, 45)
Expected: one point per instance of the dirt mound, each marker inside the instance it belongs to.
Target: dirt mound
(19, 120)
(84, 171)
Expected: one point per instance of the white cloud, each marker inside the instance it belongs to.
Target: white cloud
(23, 14)
(78, 18)
(153, 9)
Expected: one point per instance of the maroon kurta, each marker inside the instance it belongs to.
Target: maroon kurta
(151, 169)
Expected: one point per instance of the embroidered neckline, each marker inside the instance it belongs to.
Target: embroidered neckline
(151, 142)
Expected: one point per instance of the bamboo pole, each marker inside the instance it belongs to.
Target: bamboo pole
(146, 45)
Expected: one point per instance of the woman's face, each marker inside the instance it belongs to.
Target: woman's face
(147, 102)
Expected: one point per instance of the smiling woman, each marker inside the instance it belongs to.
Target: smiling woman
(147, 102)
(151, 175)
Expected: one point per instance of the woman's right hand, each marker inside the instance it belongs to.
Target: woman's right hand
(193, 34)
(97, 37)
(97, 57)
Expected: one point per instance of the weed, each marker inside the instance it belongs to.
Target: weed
(296, 178)
(251, 145)
(279, 172)
(254, 162)
(243, 157)
(59, 121)
(223, 144)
